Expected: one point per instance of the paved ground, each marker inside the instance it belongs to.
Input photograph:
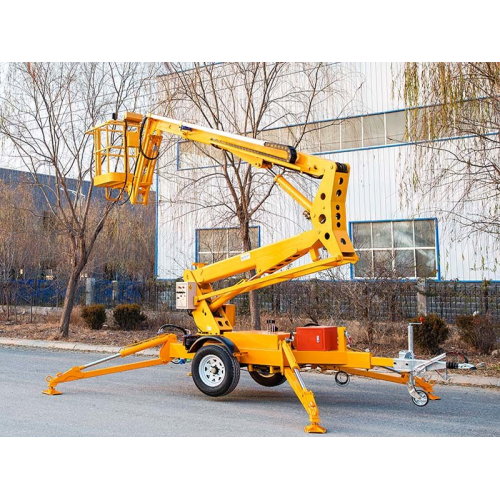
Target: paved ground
(163, 401)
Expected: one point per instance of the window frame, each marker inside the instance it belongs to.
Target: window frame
(197, 239)
(393, 249)
(341, 120)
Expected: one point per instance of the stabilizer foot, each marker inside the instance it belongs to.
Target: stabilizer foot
(314, 428)
(51, 392)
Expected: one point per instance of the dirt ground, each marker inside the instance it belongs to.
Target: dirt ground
(45, 328)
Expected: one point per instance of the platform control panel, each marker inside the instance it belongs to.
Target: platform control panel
(185, 293)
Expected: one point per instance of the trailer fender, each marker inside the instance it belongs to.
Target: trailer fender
(216, 339)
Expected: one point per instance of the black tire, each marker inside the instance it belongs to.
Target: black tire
(216, 372)
(342, 378)
(268, 379)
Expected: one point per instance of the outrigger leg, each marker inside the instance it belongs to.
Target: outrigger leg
(306, 396)
(77, 372)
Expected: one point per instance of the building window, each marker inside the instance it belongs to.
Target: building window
(395, 249)
(368, 131)
(317, 137)
(329, 136)
(373, 130)
(214, 245)
(351, 133)
(395, 124)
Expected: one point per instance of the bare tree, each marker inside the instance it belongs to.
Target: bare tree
(18, 255)
(259, 100)
(46, 110)
(126, 247)
(460, 177)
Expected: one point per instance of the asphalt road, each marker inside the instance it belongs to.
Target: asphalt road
(163, 401)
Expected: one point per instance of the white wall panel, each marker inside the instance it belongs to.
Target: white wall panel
(374, 192)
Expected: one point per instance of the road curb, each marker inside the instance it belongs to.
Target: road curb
(70, 346)
(473, 380)
(76, 346)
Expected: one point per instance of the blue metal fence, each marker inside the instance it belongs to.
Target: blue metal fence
(44, 293)
(343, 300)
(50, 293)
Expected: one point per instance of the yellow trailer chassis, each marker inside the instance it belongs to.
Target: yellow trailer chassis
(257, 350)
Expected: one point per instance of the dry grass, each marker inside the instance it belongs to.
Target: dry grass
(76, 319)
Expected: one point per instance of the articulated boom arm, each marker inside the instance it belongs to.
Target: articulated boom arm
(270, 357)
(138, 152)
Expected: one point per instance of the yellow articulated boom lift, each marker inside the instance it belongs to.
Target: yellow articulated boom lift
(216, 350)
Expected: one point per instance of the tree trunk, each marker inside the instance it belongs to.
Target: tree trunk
(69, 300)
(7, 297)
(252, 295)
(254, 309)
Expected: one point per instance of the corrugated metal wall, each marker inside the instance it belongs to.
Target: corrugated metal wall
(374, 193)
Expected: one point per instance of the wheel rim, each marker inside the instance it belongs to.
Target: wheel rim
(212, 370)
(423, 399)
(265, 374)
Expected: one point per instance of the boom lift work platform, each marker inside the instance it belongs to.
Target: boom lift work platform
(126, 152)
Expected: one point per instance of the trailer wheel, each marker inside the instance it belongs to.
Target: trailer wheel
(215, 371)
(424, 398)
(268, 379)
(342, 378)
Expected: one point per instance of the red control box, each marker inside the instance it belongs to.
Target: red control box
(316, 338)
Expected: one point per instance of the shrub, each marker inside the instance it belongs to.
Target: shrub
(478, 332)
(128, 316)
(94, 316)
(431, 333)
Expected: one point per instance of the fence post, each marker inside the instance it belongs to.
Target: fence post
(89, 291)
(485, 296)
(114, 292)
(421, 287)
